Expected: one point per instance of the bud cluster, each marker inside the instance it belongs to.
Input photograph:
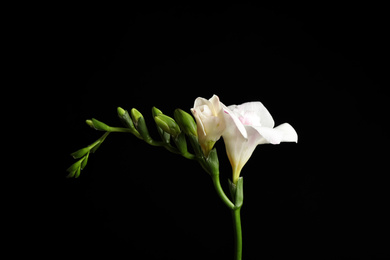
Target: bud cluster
(174, 133)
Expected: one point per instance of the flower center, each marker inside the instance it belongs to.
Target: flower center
(206, 110)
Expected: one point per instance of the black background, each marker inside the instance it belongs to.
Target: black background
(319, 68)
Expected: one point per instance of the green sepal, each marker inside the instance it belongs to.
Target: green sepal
(181, 143)
(237, 192)
(212, 162)
(143, 130)
(195, 145)
(186, 122)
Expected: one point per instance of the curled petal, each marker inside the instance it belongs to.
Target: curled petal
(282, 133)
(216, 104)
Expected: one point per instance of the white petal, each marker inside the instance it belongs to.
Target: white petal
(240, 149)
(233, 122)
(201, 102)
(289, 133)
(199, 122)
(257, 108)
(214, 100)
(281, 133)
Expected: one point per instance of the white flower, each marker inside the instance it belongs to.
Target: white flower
(247, 126)
(210, 121)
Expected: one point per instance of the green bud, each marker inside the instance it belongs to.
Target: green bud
(74, 168)
(167, 124)
(166, 137)
(80, 153)
(156, 111)
(135, 115)
(84, 162)
(89, 122)
(121, 112)
(186, 122)
(125, 118)
(97, 125)
(77, 173)
(143, 130)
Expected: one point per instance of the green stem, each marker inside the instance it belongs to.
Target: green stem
(237, 234)
(235, 209)
(120, 130)
(221, 194)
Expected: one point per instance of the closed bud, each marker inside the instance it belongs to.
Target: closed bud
(135, 115)
(166, 137)
(89, 122)
(125, 118)
(167, 124)
(121, 112)
(186, 122)
(80, 153)
(98, 125)
(156, 111)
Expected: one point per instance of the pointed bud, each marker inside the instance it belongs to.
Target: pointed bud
(74, 168)
(166, 137)
(125, 118)
(135, 115)
(84, 162)
(186, 122)
(97, 125)
(121, 112)
(80, 153)
(167, 124)
(156, 111)
(89, 122)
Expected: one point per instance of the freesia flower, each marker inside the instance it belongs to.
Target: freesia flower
(248, 125)
(210, 121)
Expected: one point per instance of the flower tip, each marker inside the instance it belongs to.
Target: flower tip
(90, 123)
(193, 111)
(121, 111)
